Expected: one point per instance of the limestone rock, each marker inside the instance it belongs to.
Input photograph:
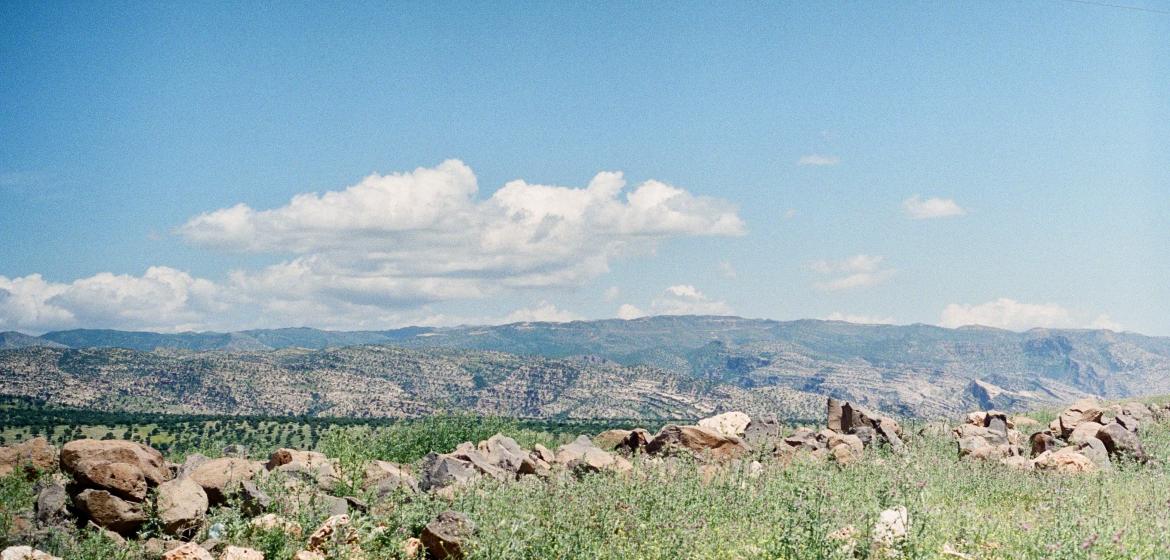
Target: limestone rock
(728, 423)
(189, 551)
(220, 477)
(1084, 431)
(1084, 410)
(384, 478)
(891, 527)
(311, 466)
(146, 459)
(238, 553)
(50, 506)
(25, 553)
(1121, 442)
(109, 511)
(446, 535)
(610, 439)
(120, 479)
(697, 441)
(33, 455)
(763, 430)
(181, 505)
(1066, 461)
(440, 471)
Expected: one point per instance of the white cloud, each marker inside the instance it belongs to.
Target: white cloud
(818, 160)
(377, 253)
(542, 312)
(924, 209)
(858, 271)
(685, 299)
(627, 312)
(1006, 313)
(860, 319)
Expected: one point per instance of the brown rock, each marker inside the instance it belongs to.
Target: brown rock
(1043, 441)
(1121, 442)
(1084, 410)
(609, 439)
(503, 452)
(109, 511)
(412, 548)
(34, 455)
(221, 477)
(334, 531)
(384, 478)
(583, 455)
(146, 459)
(1084, 431)
(312, 466)
(181, 505)
(189, 551)
(543, 453)
(698, 442)
(1065, 461)
(446, 536)
(273, 522)
(25, 553)
(120, 479)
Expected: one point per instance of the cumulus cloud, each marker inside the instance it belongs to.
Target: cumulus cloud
(685, 299)
(858, 271)
(379, 252)
(919, 208)
(1006, 313)
(860, 319)
(818, 160)
(542, 312)
(627, 312)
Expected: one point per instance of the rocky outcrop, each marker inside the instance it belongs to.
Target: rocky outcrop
(145, 459)
(583, 455)
(309, 466)
(181, 505)
(34, 456)
(728, 423)
(112, 479)
(219, 478)
(698, 442)
(847, 418)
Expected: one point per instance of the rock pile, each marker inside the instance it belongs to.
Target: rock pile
(1085, 437)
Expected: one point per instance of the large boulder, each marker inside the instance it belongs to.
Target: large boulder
(1084, 410)
(762, 431)
(219, 478)
(847, 418)
(34, 455)
(109, 511)
(385, 478)
(1066, 460)
(239, 553)
(1083, 432)
(634, 441)
(728, 423)
(311, 466)
(1043, 441)
(181, 505)
(470, 454)
(120, 479)
(582, 454)
(698, 442)
(446, 536)
(610, 439)
(440, 471)
(188, 551)
(1121, 442)
(146, 459)
(51, 504)
(503, 452)
(845, 448)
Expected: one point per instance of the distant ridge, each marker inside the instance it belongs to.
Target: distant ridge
(13, 339)
(915, 370)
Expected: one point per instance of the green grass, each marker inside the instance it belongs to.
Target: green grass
(984, 510)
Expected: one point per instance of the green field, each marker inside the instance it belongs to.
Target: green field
(957, 508)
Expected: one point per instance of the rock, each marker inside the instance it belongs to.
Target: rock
(155, 547)
(188, 551)
(1084, 410)
(1017, 462)
(1066, 460)
(273, 522)
(581, 454)
(334, 531)
(238, 553)
(181, 505)
(1022, 422)
(51, 502)
(762, 430)
(635, 441)
(192, 462)
(254, 501)
(891, 527)
(804, 439)
(844, 417)
(439, 471)
(384, 478)
(1084, 431)
(610, 439)
(728, 423)
(503, 452)
(1095, 450)
(543, 453)
(34, 455)
(221, 477)
(1043, 441)
(697, 441)
(109, 511)
(120, 479)
(976, 418)
(25, 553)
(312, 466)
(146, 459)
(470, 454)
(1121, 442)
(235, 450)
(446, 536)
(996, 422)
(846, 448)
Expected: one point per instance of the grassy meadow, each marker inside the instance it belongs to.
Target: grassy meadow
(804, 510)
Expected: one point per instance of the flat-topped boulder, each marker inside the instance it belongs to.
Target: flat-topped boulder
(34, 455)
(698, 442)
(145, 459)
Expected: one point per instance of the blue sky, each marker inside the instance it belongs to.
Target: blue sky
(945, 163)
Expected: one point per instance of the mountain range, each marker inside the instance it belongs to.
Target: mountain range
(667, 366)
